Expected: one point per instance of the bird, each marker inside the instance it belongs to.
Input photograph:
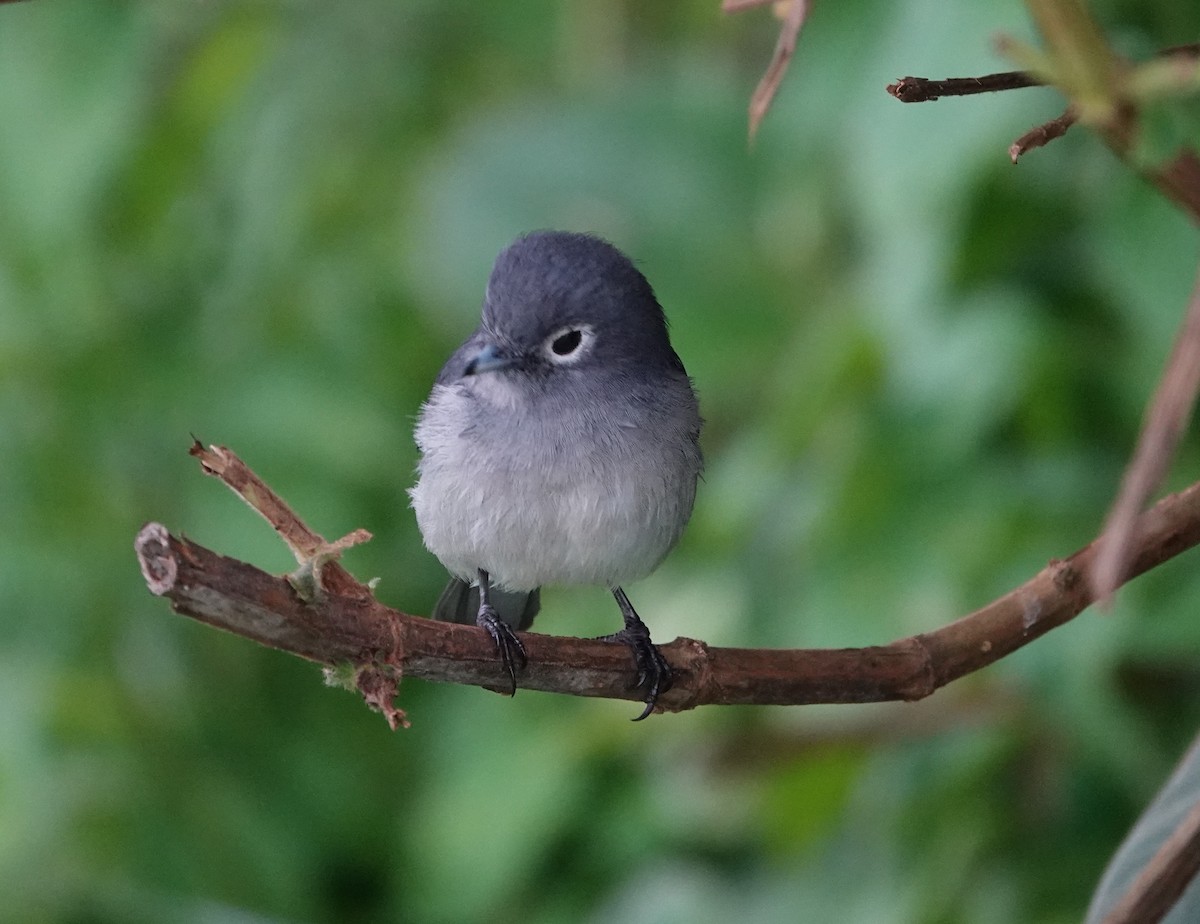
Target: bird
(558, 446)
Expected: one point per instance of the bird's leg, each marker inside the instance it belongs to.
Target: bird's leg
(653, 671)
(512, 652)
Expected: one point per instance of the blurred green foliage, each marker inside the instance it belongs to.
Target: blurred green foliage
(922, 369)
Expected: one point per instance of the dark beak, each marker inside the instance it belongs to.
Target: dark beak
(489, 359)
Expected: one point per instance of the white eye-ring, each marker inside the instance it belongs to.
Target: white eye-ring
(569, 344)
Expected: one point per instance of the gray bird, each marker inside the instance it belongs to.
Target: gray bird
(559, 445)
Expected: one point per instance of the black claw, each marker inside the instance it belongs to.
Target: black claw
(508, 646)
(653, 671)
(645, 712)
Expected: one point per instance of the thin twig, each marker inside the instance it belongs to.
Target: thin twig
(309, 548)
(1156, 889)
(924, 90)
(1178, 178)
(1166, 420)
(382, 644)
(1043, 134)
(785, 47)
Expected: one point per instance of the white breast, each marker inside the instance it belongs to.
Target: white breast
(592, 500)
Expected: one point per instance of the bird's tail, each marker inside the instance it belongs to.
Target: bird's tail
(459, 602)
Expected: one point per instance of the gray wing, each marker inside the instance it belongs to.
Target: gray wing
(459, 602)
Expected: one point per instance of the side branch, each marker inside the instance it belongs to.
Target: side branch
(794, 13)
(924, 90)
(1041, 135)
(1166, 421)
(334, 629)
(1164, 878)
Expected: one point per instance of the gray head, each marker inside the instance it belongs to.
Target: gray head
(558, 302)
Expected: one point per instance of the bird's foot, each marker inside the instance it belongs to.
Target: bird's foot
(653, 671)
(508, 646)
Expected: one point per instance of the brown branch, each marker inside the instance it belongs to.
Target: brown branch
(309, 548)
(785, 47)
(382, 644)
(1156, 889)
(1166, 420)
(1178, 179)
(924, 90)
(1043, 134)
(1076, 43)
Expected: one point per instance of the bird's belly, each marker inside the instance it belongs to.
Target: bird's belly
(539, 525)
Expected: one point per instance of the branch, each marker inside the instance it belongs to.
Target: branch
(1043, 134)
(316, 557)
(924, 90)
(382, 644)
(785, 46)
(1165, 422)
(1109, 93)
(1172, 70)
(1154, 893)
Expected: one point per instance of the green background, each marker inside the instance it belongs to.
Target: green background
(922, 370)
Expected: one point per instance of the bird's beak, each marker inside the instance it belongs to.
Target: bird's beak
(489, 359)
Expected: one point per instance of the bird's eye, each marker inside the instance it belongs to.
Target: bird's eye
(569, 344)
